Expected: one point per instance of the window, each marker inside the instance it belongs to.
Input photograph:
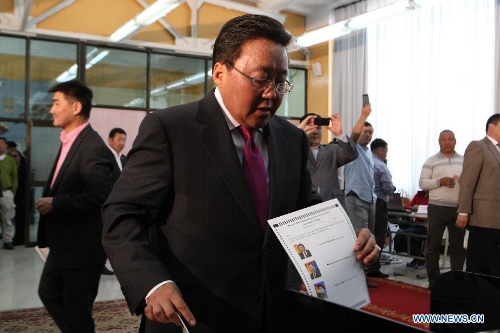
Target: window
(294, 103)
(12, 73)
(117, 77)
(50, 62)
(177, 80)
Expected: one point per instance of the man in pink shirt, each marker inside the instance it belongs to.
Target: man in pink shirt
(70, 212)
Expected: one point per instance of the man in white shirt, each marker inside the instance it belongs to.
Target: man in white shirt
(116, 140)
(441, 177)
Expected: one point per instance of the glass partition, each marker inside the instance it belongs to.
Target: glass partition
(294, 103)
(177, 80)
(50, 63)
(16, 132)
(12, 73)
(34, 216)
(45, 145)
(117, 77)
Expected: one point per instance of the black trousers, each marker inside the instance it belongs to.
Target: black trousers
(380, 233)
(483, 251)
(68, 294)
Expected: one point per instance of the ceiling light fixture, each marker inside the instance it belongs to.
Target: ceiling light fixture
(358, 22)
(150, 15)
(92, 58)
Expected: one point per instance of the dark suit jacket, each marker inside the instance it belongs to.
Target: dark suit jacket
(479, 184)
(184, 166)
(324, 169)
(73, 230)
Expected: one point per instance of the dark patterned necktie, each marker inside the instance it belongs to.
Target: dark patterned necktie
(122, 160)
(255, 174)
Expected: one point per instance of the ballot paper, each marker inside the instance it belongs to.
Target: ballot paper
(320, 242)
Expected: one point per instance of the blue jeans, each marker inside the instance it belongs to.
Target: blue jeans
(361, 213)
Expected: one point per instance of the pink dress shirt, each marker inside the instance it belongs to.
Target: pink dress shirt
(67, 140)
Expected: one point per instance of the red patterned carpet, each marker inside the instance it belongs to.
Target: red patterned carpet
(109, 316)
(398, 301)
(391, 299)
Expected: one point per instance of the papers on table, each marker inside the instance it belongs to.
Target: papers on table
(320, 242)
(422, 209)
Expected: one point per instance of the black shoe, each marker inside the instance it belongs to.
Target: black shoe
(8, 246)
(376, 273)
(371, 284)
(420, 264)
(412, 263)
(106, 271)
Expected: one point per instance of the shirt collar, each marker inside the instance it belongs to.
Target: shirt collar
(495, 142)
(114, 152)
(71, 136)
(440, 154)
(231, 122)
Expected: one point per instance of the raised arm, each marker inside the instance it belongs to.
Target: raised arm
(358, 127)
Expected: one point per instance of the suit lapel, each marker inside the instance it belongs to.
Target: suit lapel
(46, 188)
(492, 149)
(277, 145)
(218, 143)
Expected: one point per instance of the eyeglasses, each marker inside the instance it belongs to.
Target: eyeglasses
(280, 88)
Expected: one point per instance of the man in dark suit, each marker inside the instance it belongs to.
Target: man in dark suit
(479, 199)
(218, 265)
(116, 140)
(303, 252)
(313, 271)
(70, 212)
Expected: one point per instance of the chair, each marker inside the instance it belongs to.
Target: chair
(405, 201)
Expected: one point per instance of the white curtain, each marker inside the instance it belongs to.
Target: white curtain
(428, 70)
(497, 57)
(348, 71)
(349, 68)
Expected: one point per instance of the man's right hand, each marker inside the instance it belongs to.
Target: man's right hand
(164, 304)
(307, 125)
(462, 221)
(366, 110)
(447, 181)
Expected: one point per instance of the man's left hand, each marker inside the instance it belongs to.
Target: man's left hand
(365, 247)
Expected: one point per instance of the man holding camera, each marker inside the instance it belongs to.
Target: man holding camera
(325, 161)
